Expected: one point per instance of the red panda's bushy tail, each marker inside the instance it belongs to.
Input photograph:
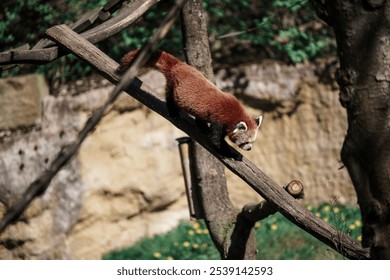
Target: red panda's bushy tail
(160, 61)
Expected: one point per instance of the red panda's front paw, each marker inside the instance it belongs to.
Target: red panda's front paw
(174, 114)
(202, 125)
(229, 152)
(176, 117)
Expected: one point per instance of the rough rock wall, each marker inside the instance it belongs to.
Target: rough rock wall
(126, 181)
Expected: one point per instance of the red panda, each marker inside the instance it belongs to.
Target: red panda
(188, 90)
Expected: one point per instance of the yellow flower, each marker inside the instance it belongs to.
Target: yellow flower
(358, 223)
(318, 214)
(196, 226)
(186, 244)
(195, 246)
(257, 225)
(206, 231)
(359, 238)
(309, 207)
(191, 232)
(326, 208)
(157, 255)
(274, 227)
(326, 219)
(170, 258)
(199, 231)
(175, 243)
(336, 210)
(204, 245)
(352, 227)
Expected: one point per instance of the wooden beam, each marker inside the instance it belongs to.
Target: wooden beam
(80, 46)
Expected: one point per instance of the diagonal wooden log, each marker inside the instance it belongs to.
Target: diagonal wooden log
(244, 168)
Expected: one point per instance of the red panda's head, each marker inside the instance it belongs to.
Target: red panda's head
(244, 134)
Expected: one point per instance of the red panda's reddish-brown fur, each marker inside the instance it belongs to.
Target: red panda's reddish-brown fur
(194, 94)
(189, 91)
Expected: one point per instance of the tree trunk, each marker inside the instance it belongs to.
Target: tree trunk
(362, 30)
(234, 239)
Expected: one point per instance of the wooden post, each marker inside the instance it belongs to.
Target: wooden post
(185, 144)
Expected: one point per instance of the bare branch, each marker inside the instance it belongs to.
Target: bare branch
(90, 17)
(126, 16)
(10, 58)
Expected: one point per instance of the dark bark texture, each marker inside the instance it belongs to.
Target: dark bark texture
(362, 30)
(232, 236)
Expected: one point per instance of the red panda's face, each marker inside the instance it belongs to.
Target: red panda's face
(244, 137)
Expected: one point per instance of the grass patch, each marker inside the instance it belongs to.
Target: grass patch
(276, 238)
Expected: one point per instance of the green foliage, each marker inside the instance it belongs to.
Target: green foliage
(284, 29)
(186, 242)
(299, 45)
(15, 16)
(276, 237)
(25, 21)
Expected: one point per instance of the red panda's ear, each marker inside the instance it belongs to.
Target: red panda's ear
(240, 126)
(259, 120)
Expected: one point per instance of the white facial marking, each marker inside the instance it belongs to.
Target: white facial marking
(243, 137)
(240, 126)
(259, 120)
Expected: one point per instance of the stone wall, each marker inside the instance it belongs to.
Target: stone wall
(126, 181)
